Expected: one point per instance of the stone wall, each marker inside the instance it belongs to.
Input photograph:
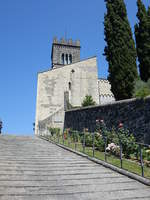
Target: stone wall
(134, 114)
(55, 120)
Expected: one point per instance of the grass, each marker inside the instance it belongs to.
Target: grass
(129, 165)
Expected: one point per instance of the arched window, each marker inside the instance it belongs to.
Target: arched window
(63, 59)
(66, 60)
(69, 85)
(70, 59)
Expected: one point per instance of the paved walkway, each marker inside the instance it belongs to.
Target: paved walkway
(33, 169)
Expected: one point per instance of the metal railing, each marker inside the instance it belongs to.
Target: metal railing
(85, 142)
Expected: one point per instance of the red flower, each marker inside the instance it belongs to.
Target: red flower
(120, 125)
(65, 136)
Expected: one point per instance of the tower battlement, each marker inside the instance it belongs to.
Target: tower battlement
(64, 41)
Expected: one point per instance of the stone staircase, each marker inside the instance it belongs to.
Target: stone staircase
(34, 169)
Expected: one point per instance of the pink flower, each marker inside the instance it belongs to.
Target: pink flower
(120, 125)
(102, 121)
(113, 148)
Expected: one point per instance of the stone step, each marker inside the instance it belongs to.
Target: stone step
(34, 169)
(65, 182)
(84, 195)
(57, 190)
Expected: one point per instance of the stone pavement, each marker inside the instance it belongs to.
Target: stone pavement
(34, 169)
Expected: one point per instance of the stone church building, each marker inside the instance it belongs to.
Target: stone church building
(66, 84)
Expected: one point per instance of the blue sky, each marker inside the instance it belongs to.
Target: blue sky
(27, 28)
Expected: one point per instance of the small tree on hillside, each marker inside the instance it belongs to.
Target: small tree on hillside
(142, 35)
(120, 50)
(142, 89)
(88, 101)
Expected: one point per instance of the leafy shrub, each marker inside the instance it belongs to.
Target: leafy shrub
(142, 89)
(75, 136)
(128, 142)
(101, 134)
(112, 136)
(54, 131)
(99, 142)
(88, 139)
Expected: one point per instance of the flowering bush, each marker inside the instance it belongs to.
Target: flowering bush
(66, 133)
(112, 136)
(128, 142)
(88, 139)
(114, 149)
(118, 136)
(101, 127)
(99, 142)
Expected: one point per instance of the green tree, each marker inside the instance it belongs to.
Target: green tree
(142, 35)
(142, 89)
(120, 50)
(88, 101)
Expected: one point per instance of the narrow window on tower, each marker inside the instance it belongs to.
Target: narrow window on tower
(70, 59)
(66, 59)
(69, 85)
(63, 59)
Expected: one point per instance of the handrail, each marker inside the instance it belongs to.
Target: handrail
(73, 136)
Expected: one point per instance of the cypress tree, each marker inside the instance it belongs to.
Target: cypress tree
(142, 35)
(120, 50)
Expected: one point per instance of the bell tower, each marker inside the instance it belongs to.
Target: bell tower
(65, 52)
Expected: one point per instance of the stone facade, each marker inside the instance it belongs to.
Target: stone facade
(133, 113)
(78, 79)
(67, 83)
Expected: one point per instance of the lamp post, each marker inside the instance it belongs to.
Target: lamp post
(1, 126)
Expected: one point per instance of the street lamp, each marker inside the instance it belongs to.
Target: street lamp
(1, 126)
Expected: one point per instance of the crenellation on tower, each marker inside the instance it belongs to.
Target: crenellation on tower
(67, 42)
(55, 40)
(70, 42)
(62, 41)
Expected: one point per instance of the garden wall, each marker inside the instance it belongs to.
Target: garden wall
(133, 113)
